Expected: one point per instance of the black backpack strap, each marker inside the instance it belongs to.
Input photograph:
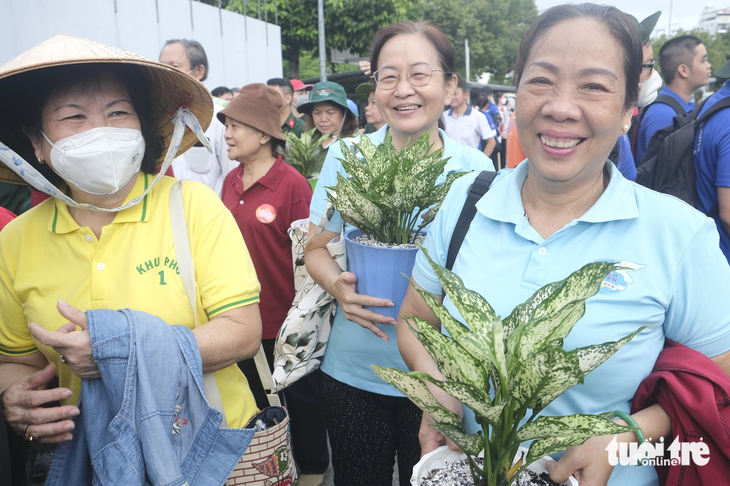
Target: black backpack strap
(478, 189)
(670, 101)
(720, 105)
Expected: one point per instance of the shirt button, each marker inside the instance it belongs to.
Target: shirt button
(240, 202)
(542, 251)
(89, 238)
(100, 266)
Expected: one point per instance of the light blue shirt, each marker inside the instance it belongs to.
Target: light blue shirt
(352, 349)
(679, 285)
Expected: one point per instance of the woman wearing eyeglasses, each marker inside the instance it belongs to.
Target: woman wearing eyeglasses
(368, 420)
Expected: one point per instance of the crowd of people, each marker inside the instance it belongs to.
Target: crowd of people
(102, 141)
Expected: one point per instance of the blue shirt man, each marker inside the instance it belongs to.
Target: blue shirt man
(656, 117)
(625, 162)
(712, 163)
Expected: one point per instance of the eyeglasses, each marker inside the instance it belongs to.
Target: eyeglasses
(649, 66)
(419, 76)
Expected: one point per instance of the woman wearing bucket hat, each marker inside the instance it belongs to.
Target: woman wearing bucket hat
(330, 113)
(95, 122)
(265, 195)
(369, 422)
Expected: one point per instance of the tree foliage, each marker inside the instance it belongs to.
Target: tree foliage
(493, 27)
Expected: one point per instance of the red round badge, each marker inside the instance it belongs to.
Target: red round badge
(266, 213)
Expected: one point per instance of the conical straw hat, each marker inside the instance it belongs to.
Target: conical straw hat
(170, 87)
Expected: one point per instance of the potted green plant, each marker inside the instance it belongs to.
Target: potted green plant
(385, 195)
(520, 360)
(304, 154)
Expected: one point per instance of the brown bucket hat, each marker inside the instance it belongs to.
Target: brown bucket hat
(170, 87)
(258, 106)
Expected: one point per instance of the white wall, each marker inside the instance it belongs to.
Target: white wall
(248, 51)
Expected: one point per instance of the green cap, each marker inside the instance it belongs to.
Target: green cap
(325, 91)
(363, 91)
(646, 26)
(724, 71)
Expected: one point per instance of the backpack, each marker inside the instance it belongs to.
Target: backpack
(633, 132)
(668, 165)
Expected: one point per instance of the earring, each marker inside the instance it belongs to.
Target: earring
(40, 160)
(626, 128)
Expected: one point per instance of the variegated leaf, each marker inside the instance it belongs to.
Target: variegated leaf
(538, 333)
(353, 206)
(381, 185)
(471, 444)
(452, 360)
(591, 357)
(453, 326)
(487, 344)
(579, 285)
(522, 313)
(366, 147)
(550, 371)
(475, 310)
(423, 182)
(544, 447)
(469, 395)
(418, 392)
(577, 425)
(355, 168)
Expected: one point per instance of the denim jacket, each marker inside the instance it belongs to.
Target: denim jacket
(146, 420)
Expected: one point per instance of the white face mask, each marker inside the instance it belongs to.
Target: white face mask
(649, 89)
(100, 161)
(301, 99)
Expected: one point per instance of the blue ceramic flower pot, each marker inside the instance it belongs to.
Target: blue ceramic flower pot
(380, 271)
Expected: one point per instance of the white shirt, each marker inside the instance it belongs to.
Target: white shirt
(208, 168)
(469, 128)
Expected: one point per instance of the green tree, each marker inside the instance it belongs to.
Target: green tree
(493, 27)
(349, 24)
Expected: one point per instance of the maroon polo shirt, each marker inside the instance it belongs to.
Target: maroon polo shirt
(264, 213)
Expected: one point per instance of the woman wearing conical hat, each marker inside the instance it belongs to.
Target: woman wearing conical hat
(89, 125)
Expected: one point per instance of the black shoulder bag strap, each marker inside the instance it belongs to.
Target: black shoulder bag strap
(478, 189)
(670, 101)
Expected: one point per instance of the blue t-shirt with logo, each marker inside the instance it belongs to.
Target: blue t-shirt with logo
(352, 349)
(712, 161)
(656, 117)
(676, 281)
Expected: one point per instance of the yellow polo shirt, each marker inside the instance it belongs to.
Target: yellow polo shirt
(45, 255)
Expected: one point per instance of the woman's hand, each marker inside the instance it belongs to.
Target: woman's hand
(73, 345)
(343, 289)
(23, 411)
(588, 462)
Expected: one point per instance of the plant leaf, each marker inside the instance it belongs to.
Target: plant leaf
(354, 207)
(577, 425)
(475, 310)
(453, 326)
(471, 444)
(418, 392)
(521, 314)
(452, 360)
(591, 357)
(547, 374)
(544, 447)
(469, 395)
(487, 344)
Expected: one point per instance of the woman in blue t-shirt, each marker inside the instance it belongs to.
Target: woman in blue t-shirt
(577, 76)
(368, 420)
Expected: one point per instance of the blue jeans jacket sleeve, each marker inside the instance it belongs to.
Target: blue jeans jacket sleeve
(147, 418)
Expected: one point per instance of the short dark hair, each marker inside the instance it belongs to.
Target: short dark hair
(433, 34)
(28, 112)
(463, 85)
(283, 83)
(615, 22)
(235, 90)
(195, 52)
(680, 50)
(220, 91)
